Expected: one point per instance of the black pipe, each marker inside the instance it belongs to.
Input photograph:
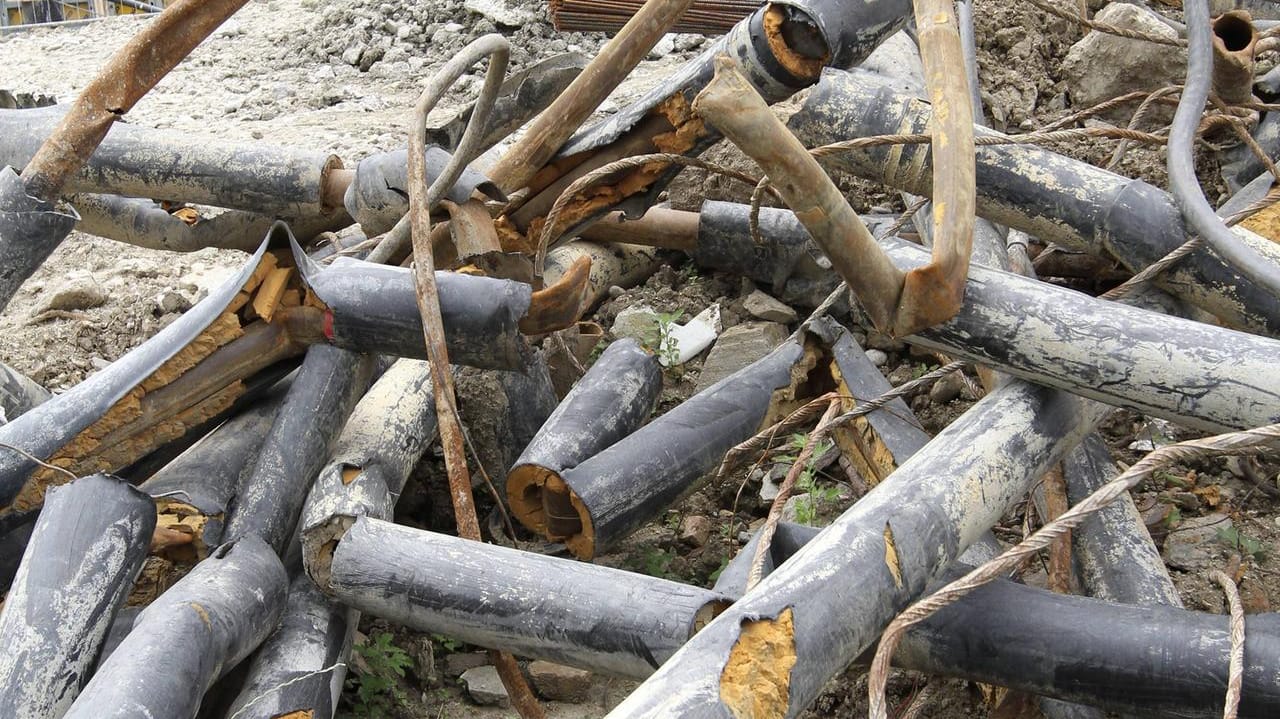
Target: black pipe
(193, 633)
(373, 308)
(269, 496)
(609, 402)
(1047, 195)
(86, 549)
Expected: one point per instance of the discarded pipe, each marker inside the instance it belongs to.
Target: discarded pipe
(1163, 366)
(18, 393)
(606, 497)
(1117, 559)
(613, 264)
(1180, 162)
(87, 547)
(782, 47)
(566, 113)
(45, 430)
(194, 493)
(1155, 661)
(372, 308)
(1234, 44)
(1132, 660)
(522, 96)
(269, 497)
(145, 223)
(564, 611)
(387, 433)
(1044, 194)
(30, 230)
(611, 401)
(730, 104)
(378, 195)
(203, 626)
(777, 646)
(136, 161)
(299, 669)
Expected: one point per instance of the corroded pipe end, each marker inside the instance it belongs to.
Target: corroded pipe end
(1234, 44)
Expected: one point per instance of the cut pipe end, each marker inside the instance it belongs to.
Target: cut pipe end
(542, 501)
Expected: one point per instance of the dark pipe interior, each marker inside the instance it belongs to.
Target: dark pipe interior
(1235, 31)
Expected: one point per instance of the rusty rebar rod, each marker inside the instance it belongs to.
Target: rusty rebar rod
(421, 200)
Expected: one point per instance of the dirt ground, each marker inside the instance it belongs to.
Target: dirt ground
(342, 77)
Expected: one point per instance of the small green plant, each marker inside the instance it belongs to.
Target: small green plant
(596, 352)
(1173, 518)
(1169, 478)
(656, 562)
(377, 690)
(1241, 542)
(448, 644)
(715, 576)
(809, 495)
(667, 347)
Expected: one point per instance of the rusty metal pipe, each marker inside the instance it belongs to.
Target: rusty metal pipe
(128, 75)
(559, 121)
(1234, 42)
(731, 104)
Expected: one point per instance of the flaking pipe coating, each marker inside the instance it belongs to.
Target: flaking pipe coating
(1234, 42)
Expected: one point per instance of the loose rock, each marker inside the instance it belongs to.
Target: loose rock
(456, 664)
(695, 530)
(1101, 66)
(738, 347)
(1194, 545)
(764, 307)
(78, 294)
(947, 388)
(484, 686)
(560, 683)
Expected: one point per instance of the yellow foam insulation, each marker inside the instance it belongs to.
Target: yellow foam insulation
(182, 518)
(349, 474)
(858, 440)
(1265, 222)
(84, 453)
(202, 613)
(299, 714)
(756, 681)
(221, 331)
(271, 292)
(790, 397)
(686, 129)
(891, 556)
(804, 68)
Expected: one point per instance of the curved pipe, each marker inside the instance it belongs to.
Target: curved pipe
(1181, 163)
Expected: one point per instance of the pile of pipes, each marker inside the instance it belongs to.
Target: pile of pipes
(267, 434)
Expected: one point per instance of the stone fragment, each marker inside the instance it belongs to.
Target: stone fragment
(762, 306)
(738, 347)
(1101, 66)
(78, 294)
(877, 358)
(484, 686)
(456, 664)
(639, 322)
(560, 683)
(1194, 544)
(695, 530)
(947, 388)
